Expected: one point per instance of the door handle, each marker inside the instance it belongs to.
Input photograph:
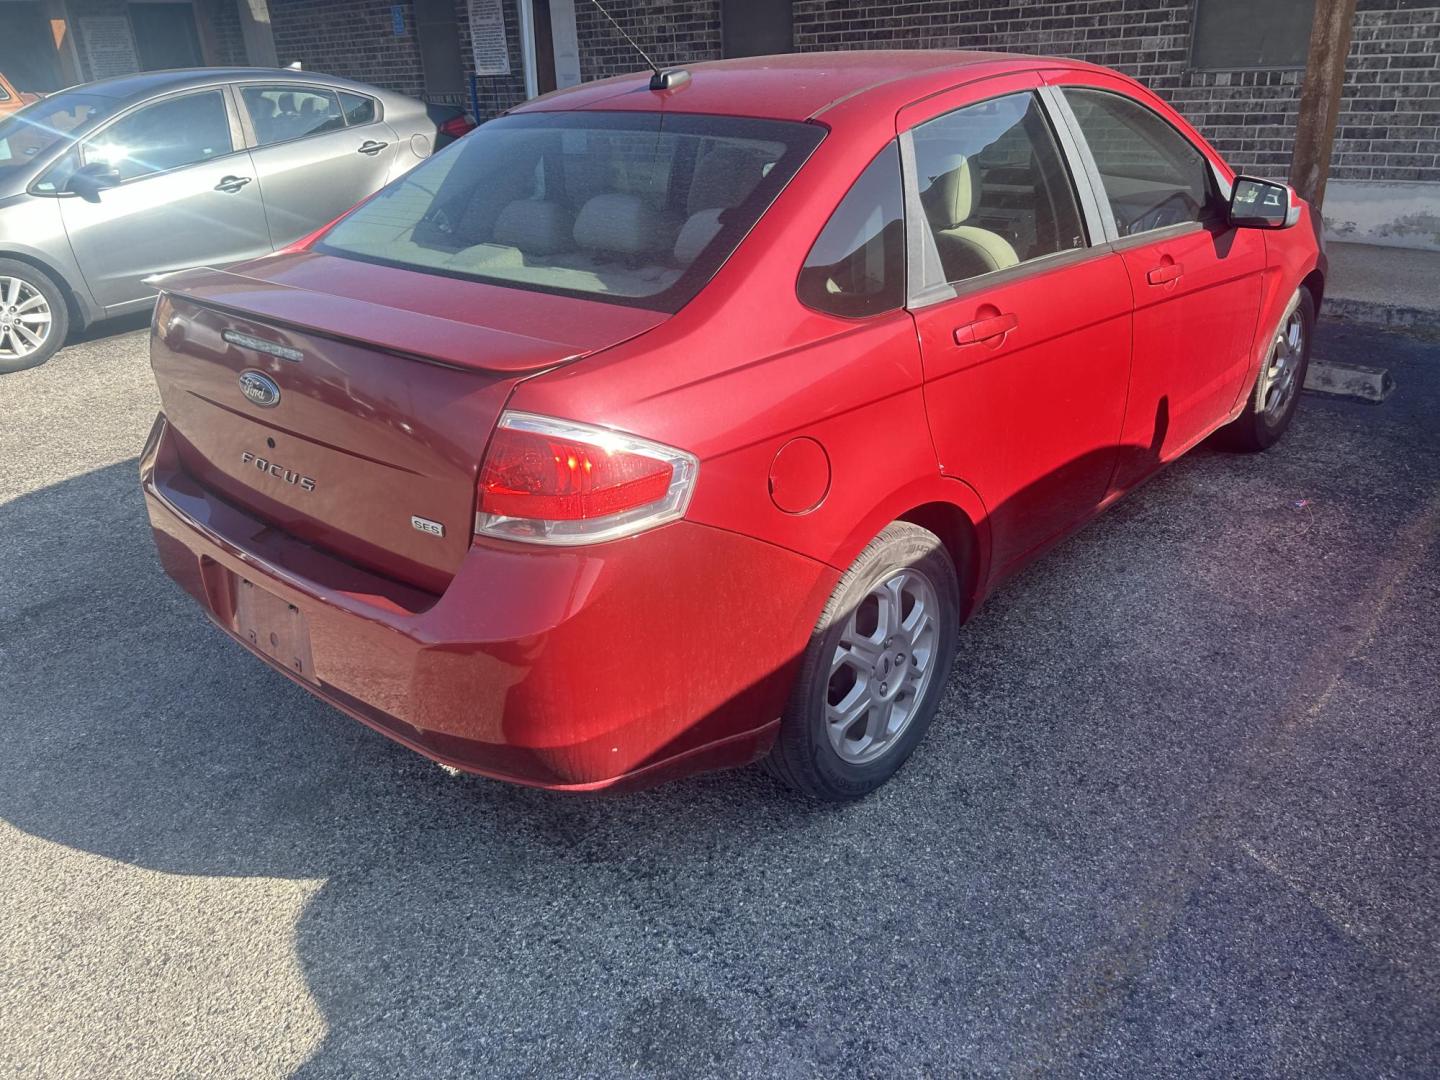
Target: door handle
(232, 183)
(1164, 273)
(985, 329)
(371, 147)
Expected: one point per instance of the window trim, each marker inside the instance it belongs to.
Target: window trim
(1112, 230)
(78, 145)
(252, 140)
(921, 251)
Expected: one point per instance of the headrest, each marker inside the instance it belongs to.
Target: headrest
(950, 198)
(621, 224)
(723, 178)
(535, 226)
(698, 231)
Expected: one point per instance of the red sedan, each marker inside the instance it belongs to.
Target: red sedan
(665, 424)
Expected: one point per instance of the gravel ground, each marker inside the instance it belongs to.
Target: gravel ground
(1177, 818)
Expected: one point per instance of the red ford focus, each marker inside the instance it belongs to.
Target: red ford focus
(647, 431)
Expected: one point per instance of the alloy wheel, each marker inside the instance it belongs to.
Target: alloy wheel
(882, 666)
(25, 318)
(1282, 368)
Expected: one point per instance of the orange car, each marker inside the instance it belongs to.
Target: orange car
(12, 100)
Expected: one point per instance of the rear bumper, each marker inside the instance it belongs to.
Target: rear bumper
(617, 665)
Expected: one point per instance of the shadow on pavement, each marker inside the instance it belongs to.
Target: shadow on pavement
(107, 328)
(1059, 881)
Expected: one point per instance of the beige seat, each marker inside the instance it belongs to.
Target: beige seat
(965, 250)
(723, 179)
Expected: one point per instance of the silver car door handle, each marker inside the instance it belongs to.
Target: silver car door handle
(371, 147)
(232, 183)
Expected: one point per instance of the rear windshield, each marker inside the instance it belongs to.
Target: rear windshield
(634, 208)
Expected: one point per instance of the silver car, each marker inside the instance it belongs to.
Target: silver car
(107, 183)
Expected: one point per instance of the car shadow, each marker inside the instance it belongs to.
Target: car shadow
(1006, 893)
(108, 328)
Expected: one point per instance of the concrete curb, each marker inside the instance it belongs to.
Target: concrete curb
(1349, 380)
(1388, 316)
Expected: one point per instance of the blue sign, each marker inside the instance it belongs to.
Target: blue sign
(397, 19)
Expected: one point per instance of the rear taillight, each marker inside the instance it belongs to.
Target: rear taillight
(548, 481)
(457, 126)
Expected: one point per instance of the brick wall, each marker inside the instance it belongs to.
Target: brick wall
(1391, 106)
(1389, 126)
(1389, 129)
(673, 33)
(349, 38)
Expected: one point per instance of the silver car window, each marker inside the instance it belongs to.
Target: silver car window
(358, 108)
(167, 135)
(282, 113)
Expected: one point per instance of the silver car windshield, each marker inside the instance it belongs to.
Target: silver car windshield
(631, 208)
(41, 125)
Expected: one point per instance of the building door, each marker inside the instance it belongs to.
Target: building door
(165, 36)
(27, 49)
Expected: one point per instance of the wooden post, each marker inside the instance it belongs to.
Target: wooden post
(1320, 98)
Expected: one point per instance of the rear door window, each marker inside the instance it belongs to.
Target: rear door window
(857, 266)
(358, 108)
(283, 113)
(994, 188)
(1154, 177)
(167, 135)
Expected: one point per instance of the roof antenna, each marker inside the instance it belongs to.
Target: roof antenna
(669, 78)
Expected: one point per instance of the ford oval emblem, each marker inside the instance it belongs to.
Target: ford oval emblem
(260, 389)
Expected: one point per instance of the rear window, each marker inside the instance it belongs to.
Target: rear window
(633, 208)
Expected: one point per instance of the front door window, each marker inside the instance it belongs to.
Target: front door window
(167, 135)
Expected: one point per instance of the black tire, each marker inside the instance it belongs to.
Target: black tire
(804, 756)
(54, 297)
(1258, 427)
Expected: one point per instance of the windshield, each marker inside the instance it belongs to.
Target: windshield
(41, 125)
(634, 208)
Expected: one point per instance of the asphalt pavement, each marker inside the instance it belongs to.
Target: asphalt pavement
(1178, 817)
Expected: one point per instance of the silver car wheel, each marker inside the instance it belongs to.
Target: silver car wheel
(25, 318)
(882, 667)
(1287, 352)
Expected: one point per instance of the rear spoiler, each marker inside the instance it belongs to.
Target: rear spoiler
(395, 330)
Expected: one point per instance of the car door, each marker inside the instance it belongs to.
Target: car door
(1196, 280)
(312, 164)
(1023, 313)
(186, 196)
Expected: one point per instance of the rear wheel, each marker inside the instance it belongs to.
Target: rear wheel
(33, 316)
(1276, 393)
(874, 671)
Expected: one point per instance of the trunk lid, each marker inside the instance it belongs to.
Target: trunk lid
(387, 385)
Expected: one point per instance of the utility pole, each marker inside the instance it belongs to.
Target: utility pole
(1320, 98)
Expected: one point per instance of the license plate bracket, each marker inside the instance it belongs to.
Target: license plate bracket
(275, 628)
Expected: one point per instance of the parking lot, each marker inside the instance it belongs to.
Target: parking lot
(1177, 815)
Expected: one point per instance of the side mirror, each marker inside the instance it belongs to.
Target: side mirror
(1262, 204)
(89, 180)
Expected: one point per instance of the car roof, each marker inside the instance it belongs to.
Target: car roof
(797, 86)
(147, 83)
